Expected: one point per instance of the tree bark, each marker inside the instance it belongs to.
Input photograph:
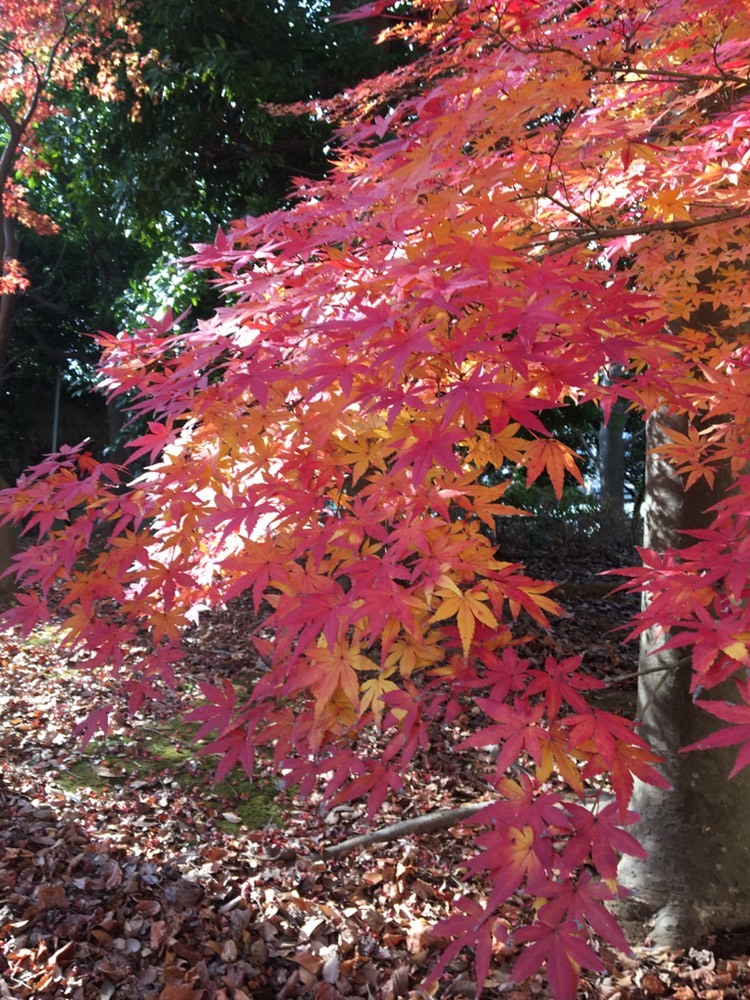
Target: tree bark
(612, 460)
(696, 879)
(8, 250)
(441, 819)
(612, 476)
(611, 464)
(8, 548)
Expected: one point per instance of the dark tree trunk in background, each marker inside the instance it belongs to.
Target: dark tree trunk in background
(8, 250)
(8, 235)
(611, 463)
(696, 878)
(8, 548)
(612, 459)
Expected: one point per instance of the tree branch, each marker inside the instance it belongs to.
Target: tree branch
(655, 73)
(442, 819)
(596, 234)
(659, 73)
(7, 116)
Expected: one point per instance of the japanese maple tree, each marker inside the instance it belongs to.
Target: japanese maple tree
(548, 192)
(46, 47)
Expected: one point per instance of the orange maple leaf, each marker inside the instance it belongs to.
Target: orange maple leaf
(556, 458)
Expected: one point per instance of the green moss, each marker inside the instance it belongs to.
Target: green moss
(167, 751)
(81, 775)
(43, 635)
(256, 807)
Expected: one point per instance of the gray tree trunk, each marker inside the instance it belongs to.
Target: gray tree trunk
(696, 879)
(612, 459)
(611, 467)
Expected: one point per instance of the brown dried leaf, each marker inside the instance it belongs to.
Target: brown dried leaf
(180, 993)
(51, 897)
(312, 963)
(229, 951)
(651, 985)
(259, 951)
(149, 907)
(64, 955)
(183, 894)
(326, 991)
(158, 933)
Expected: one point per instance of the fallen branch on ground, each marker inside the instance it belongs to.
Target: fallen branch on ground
(442, 819)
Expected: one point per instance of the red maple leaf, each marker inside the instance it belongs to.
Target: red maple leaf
(561, 681)
(738, 715)
(475, 927)
(95, 722)
(564, 949)
(512, 856)
(523, 804)
(581, 901)
(517, 730)
(598, 836)
(219, 710)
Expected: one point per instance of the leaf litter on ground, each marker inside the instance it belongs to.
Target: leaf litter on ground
(124, 874)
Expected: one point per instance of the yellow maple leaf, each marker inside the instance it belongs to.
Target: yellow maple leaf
(555, 756)
(373, 691)
(511, 446)
(337, 669)
(167, 625)
(364, 453)
(738, 649)
(410, 652)
(468, 608)
(669, 205)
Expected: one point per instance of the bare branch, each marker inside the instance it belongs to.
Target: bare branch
(596, 234)
(442, 819)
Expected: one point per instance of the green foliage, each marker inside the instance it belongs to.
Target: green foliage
(167, 285)
(539, 499)
(204, 148)
(130, 194)
(573, 525)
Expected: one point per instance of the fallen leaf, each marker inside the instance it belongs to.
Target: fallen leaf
(51, 897)
(179, 993)
(158, 933)
(651, 985)
(64, 955)
(312, 963)
(229, 951)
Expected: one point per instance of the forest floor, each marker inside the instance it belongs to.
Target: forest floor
(125, 874)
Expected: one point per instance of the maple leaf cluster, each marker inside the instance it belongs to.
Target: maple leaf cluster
(548, 191)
